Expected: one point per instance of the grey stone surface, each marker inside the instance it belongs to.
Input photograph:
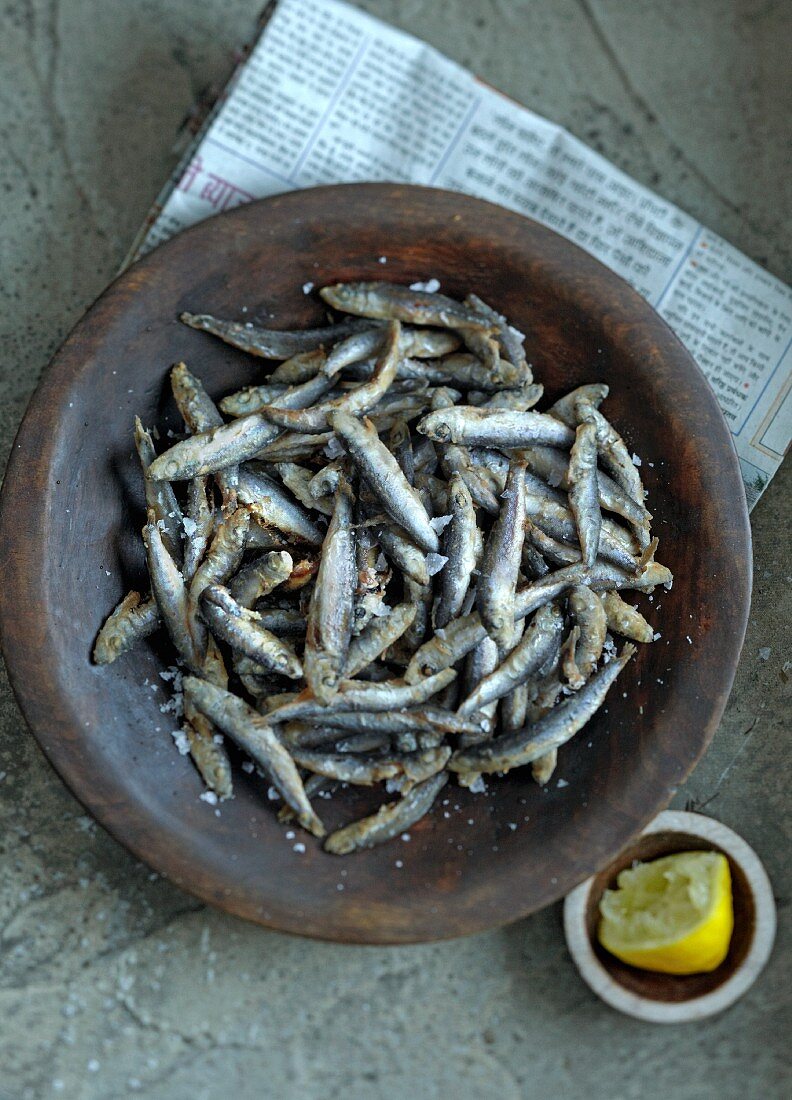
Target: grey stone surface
(113, 983)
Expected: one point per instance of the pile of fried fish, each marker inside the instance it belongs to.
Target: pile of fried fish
(384, 565)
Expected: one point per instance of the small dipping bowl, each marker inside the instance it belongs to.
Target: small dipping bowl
(671, 998)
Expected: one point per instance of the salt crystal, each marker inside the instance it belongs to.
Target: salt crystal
(440, 523)
(478, 786)
(210, 797)
(512, 825)
(392, 786)
(217, 738)
(764, 653)
(272, 794)
(307, 288)
(636, 460)
(690, 640)
(290, 834)
(247, 766)
(431, 286)
(562, 783)
(382, 260)
(434, 563)
(190, 526)
(398, 863)
(656, 637)
(299, 847)
(333, 448)
(405, 836)
(182, 744)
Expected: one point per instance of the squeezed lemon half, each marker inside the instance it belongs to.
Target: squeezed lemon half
(674, 914)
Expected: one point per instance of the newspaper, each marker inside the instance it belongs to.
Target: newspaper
(329, 94)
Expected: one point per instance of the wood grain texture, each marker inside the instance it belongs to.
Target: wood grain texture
(72, 509)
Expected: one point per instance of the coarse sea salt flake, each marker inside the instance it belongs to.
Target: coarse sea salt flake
(333, 448)
(440, 523)
(189, 525)
(764, 653)
(210, 797)
(182, 744)
(562, 783)
(248, 767)
(307, 288)
(299, 847)
(431, 286)
(434, 563)
(636, 460)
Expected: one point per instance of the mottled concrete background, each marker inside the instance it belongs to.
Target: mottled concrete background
(113, 982)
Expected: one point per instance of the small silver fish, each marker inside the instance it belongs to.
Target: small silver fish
(316, 418)
(381, 632)
(160, 497)
(390, 301)
(268, 343)
(254, 736)
(199, 524)
(386, 479)
(613, 452)
(300, 368)
(230, 444)
(260, 577)
(170, 592)
(252, 398)
(357, 695)
(459, 546)
(242, 629)
(132, 620)
(513, 750)
(535, 647)
(297, 480)
(511, 341)
(564, 409)
(209, 755)
(330, 611)
(276, 506)
(502, 428)
(390, 820)
(625, 619)
(587, 611)
(495, 592)
(584, 491)
(427, 719)
(364, 771)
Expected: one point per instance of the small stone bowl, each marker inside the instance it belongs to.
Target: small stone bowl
(671, 998)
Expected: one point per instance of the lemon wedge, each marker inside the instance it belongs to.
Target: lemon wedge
(674, 914)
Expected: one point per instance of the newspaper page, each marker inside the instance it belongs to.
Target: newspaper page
(329, 94)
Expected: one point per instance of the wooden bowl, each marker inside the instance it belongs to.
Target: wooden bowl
(70, 538)
(673, 998)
